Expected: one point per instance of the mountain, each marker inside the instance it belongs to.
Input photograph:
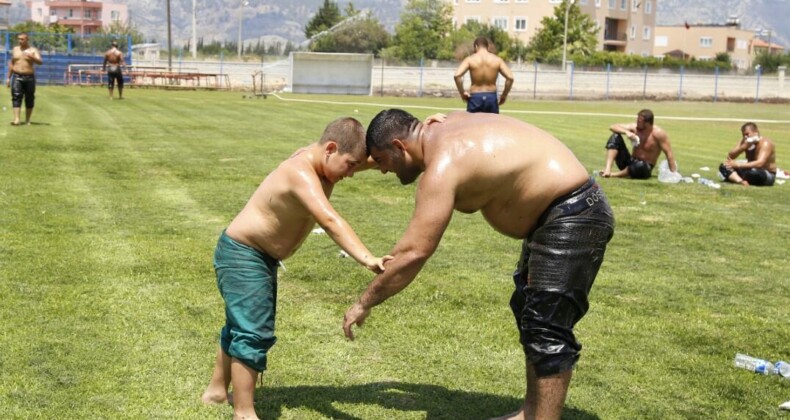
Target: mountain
(753, 14)
(219, 19)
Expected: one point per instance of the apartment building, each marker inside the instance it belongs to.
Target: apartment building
(624, 25)
(704, 41)
(86, 17)
(5, 6)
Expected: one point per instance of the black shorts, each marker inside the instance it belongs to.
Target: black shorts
(23, 86)
(112, 77)
(637, 168)
(756, 177)
(558, 264)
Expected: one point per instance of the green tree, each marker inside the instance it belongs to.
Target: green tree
(547, 43)
(53, 37)
(424, 30)
(116, 31)
(365, 35)
(504, 46)
(328, 16)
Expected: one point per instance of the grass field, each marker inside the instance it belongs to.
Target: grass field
(110, 210)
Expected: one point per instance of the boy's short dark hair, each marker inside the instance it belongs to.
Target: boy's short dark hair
(348, 133)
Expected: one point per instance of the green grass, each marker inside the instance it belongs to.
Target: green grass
(109, 212)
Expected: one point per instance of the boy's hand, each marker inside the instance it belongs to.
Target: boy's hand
(376, 265)
(354, 315)
(438, 117)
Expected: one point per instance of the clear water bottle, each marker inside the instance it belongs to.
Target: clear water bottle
(782, 368)
(754, 364)
(708, 183)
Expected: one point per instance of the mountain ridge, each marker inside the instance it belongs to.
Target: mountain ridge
(218, 20)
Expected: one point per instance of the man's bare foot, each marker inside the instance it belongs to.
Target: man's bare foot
(212, 398)
(517, 415)
(250, 416)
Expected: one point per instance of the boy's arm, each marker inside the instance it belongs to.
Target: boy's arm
(306, 187)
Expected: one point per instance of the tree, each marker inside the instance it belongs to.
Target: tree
(360, 36)
(52, 37)
(504, 46)
(547, 43)
(328, 16)
(424, 30)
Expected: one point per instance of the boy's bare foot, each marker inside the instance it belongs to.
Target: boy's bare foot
(248, 416)
(517, 415)
(211, 398)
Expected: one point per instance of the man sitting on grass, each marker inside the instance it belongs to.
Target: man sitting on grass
(760, 166)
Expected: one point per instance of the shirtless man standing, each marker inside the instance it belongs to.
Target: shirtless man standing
(760, 166)
(21, 77)
(113, 63)
(528, 186)
(271, 227)
(484, 68)
(647, 142)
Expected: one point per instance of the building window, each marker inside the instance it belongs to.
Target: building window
(522, 1)
(623, 4)
(582, 1)
(71, 13)
(555, 1)
(633, 31)
(705, 41)
(612, 4)
(741, 44)
(473, 1)
(597, 3)
(499, 22)
(501, 1)
(648, 7)
(520, 24)
(115, 15)
(87, 14)
(472, 19)
(646, 33)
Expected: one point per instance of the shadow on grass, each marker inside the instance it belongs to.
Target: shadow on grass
(435, 401)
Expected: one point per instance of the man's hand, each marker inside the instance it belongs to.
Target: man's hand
(438, 117)
(730, 164)
(465, 96)
(502, 100)
(356, 314)
(376, 264)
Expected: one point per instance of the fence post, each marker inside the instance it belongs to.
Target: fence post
(221, 58)
(180, 57)
(782, 70)
(422, 63)
(716, 85)
(570, 92)
(608, 73)
(382, 76)
(535, 81)
(644, 84)
(757, 91)
(68, 43)
(680, 88)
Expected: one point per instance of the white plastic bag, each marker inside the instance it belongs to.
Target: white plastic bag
(667, 176)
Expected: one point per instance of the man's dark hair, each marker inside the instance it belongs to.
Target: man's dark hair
(388, 125)
(347, 132)
(647, 115)
(751, 125)
(114, 43)
(481, 41)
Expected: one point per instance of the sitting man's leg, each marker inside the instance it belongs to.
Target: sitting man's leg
(639, 169)
(616, 153)
(731, 175)
(758, 177)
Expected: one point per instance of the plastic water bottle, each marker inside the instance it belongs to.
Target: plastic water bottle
(782, 368)
(708, 183)
(754, 364)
